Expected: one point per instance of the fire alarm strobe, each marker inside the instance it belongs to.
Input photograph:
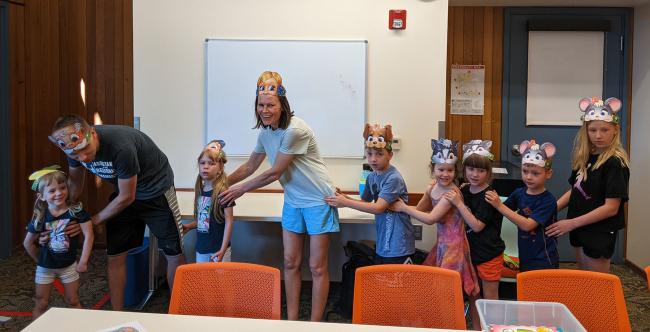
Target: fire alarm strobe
(397, 19)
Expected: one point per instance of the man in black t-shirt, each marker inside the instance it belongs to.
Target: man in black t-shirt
(144, 195)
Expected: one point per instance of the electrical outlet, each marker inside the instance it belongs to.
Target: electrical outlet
(396, 144)
(417, 232)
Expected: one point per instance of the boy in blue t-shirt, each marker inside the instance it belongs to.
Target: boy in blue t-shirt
(384, 186)
(536, 208)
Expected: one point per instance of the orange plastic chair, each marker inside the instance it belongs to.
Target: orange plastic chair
(408, 295)
(647, 274)
(595, 299)
(227, 290)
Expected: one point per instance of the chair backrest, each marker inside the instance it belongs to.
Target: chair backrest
(647, 274)
(408, 295)
(595, 299)
(227, 290)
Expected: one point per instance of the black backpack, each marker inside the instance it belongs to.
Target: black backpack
(360, 255)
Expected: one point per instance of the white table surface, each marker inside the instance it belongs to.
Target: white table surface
(268, 207)
(64, 319)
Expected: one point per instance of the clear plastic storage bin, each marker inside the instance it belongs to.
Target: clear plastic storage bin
(500, 312)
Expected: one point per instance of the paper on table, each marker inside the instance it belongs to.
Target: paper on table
(499, 170)
(126, 327)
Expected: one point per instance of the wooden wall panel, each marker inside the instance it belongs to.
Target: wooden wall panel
(65, 41)
(475, 37)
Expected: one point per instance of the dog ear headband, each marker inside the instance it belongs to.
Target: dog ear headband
(378, 137)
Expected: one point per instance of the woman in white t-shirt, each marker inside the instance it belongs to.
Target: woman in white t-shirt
(295, 161)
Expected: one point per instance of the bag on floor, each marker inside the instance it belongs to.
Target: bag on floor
(360, 255)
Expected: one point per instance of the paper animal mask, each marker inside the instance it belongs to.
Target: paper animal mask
(479, 147)
(533, 153)
(444, 151)
(378, 137)
(216, 144)
(71, 138)
(36, 176)
(270, 83)
(596, 109)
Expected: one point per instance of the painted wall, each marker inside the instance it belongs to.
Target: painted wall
(638, 227)
(406, 70)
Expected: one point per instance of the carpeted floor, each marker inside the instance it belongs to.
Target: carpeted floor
(17, 287)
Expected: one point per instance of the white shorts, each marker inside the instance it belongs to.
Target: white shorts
(45, 276)
(205, 258)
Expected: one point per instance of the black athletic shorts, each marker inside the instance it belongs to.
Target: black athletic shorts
(125, 231)
(408, 259)
(595, 244)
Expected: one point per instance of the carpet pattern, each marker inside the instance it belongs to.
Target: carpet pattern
(17, 280)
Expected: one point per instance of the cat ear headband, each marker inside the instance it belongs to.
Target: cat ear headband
(71, 138)
(596, 109)
(444, 151)
(533, 153)
(479, 147)
(378, 137)
(36, 176)
(270, 83)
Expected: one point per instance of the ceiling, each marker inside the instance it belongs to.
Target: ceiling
(551, 3)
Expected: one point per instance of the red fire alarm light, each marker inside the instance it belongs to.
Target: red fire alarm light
(397, 19)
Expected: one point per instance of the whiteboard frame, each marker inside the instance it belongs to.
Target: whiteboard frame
(361, 154)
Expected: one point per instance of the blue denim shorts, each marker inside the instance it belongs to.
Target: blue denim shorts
(312, 220)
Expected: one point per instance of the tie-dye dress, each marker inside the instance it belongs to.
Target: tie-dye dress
(451, 250)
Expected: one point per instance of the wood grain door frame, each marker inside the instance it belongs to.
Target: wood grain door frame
(5, 136)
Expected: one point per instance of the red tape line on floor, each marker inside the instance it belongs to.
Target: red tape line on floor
(102, 301)
(15, 313)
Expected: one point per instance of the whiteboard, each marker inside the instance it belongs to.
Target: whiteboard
(325, 83)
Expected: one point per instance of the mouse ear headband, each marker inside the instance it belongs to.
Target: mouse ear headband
(533, 153)
(595, 109)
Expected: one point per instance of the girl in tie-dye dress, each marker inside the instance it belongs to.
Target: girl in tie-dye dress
(451, 250)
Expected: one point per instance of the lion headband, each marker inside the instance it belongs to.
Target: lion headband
(444, 151)
(270, 83)
(36, 176)
(378, 137)
(596, 109)
(533, 153)
(71, 139)
(479, 147)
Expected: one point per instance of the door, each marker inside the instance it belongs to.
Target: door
(535, 31)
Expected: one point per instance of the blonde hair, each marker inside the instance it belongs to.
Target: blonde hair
(219, 184)
(582, 148)
(40, 206)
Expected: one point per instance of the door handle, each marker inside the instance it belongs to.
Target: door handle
(515, 150)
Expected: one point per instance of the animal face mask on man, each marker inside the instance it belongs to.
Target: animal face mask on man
(378, 137)
(71, 138)
(533, 153)
(596, 109)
